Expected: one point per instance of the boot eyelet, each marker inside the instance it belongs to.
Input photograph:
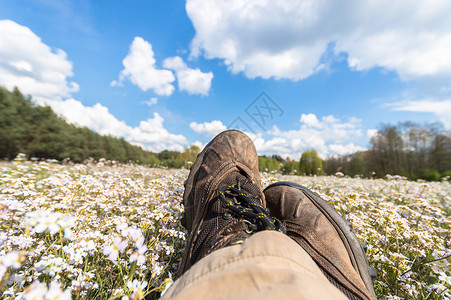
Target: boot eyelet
(227, 215)
(248, 231)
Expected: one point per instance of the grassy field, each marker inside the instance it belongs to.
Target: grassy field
(112, 231)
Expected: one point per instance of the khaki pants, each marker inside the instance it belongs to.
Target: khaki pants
(268, 265)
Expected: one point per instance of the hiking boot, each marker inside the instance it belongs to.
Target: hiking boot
(223, 199)
(328, 238)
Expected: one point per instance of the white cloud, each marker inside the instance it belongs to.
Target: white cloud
(442, 109)
(210, 129)
(328, 135)
(96, 117)
(339, 149)
(152, 135)
(32, 66)
(310, 120)
(151, 101)
(199, 144)
(286, 39)
(26, 62)
(370, 133)
(194, 81)
(140, 69)
(175, 63)
(436, 107)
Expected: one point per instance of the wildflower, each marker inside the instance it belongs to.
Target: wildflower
(136, 288)
(138, 256)
(9, 292)
(123, 229)
(38, 290)
(47, 222)
(136, 236)
(43, 220)
(401, 220)
(55, 292)
(118, 292)
(168, 282)
(35, 291)
(13, 259)
(3, 270)
(113, 250)
(69, 234)
(444, 278)
(2, 211)
(16, 206)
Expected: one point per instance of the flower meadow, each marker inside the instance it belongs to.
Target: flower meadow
(103, 230)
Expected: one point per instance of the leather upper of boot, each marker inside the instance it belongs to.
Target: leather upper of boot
(230, 151)
(229, 159)
(309, 226)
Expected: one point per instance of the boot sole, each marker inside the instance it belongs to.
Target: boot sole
(355, 248)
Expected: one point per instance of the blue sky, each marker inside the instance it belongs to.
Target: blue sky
(168, 74)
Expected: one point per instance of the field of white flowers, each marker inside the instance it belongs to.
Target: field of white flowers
(110, 231)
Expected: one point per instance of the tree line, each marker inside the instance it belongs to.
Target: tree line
(407, 149)
(415, 151)
(37, 131)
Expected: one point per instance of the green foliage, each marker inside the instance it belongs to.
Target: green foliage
(269, 164)
(187, 157)
(407, 149)
(430, 175)
(351, 164)
(290, 167)
(310, 163)
(38, 132)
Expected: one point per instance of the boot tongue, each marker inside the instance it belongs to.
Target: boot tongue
(245, 184)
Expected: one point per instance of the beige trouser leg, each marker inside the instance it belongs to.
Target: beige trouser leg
(268, 265)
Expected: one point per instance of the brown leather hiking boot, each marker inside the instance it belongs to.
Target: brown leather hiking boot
(223, 199)
(318, 228)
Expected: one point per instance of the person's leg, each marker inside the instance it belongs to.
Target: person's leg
(327, 237)
(268, 265)
(225, 206)
(223, 199)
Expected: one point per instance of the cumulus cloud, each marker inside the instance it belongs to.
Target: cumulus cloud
(31, 65)
(310, 120)
(370, 133)
(328, 135)
(210, 129)
(151, 101)
(340, 149)
(26, 62)
(442, 109)
(286, 39)
(96, 117)
(152, 135)
(199, 144)
(194, 81)
(140, 69)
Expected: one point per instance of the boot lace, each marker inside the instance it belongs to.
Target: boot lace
(248, 206)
